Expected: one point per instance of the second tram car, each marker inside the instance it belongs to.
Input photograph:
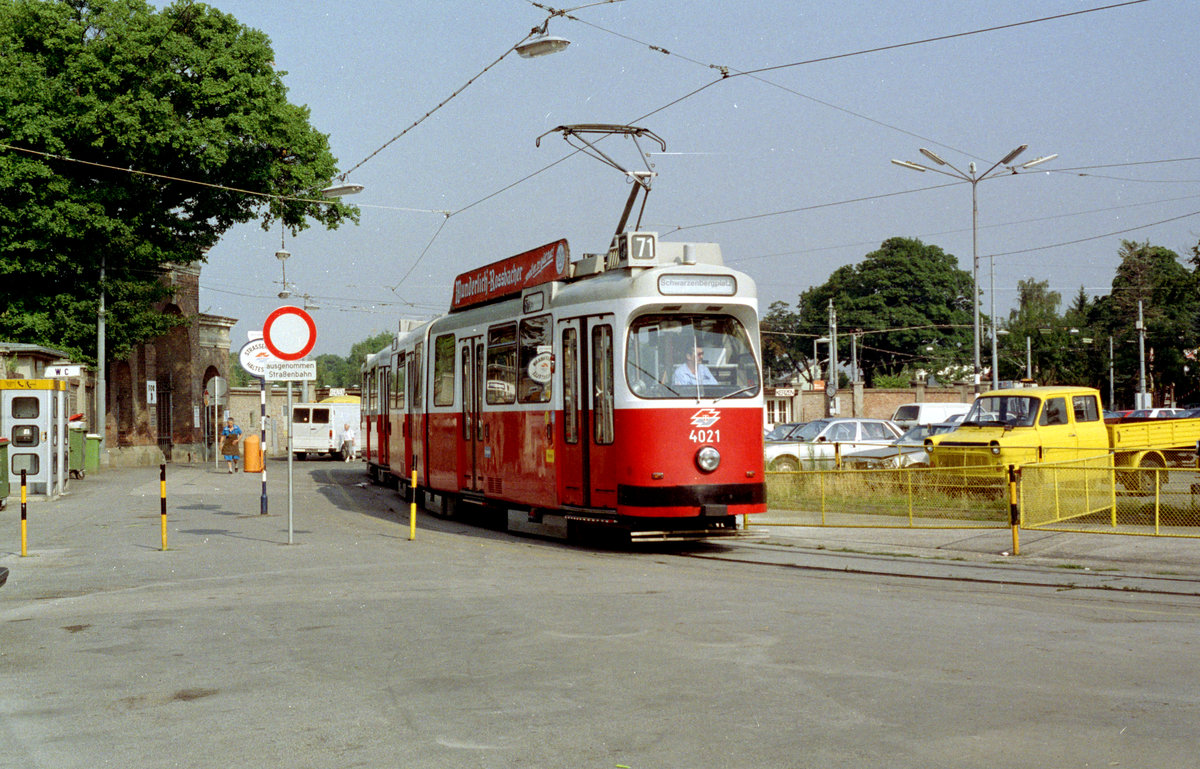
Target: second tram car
(621, 391)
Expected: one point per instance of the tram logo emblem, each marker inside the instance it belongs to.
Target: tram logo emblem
(706, 418)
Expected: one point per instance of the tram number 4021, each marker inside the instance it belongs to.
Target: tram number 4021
(705, 436)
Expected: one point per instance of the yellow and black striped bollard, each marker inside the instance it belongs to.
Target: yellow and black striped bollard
(24, 525)
(162, 499)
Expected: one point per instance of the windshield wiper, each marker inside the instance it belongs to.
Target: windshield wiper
(747, 388)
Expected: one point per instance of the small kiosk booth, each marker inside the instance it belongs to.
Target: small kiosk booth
(33, 418)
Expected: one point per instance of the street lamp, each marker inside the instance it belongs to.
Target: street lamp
(541, 43)
(341, 188)
(282, 255)
(974, 178)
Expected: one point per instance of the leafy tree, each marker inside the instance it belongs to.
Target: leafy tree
(336, 371)
(909, 300)
(368, 346)
(238, 376)
(106, 107)
(1167, 290)
(1060, 346)
(783, 343)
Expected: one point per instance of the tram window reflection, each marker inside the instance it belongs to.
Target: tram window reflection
(502, 364)
(689, 356)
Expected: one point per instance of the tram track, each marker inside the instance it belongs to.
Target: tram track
(942, 570)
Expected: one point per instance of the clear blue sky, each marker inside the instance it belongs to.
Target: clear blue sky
(1112, 92)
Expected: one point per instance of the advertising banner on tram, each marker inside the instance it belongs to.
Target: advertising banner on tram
(512, 275)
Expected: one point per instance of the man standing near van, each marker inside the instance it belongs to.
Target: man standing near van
(349, 443)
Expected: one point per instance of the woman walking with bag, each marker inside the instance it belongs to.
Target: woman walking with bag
(230, 434)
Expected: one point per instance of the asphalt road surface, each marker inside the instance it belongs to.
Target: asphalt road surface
(355, 647)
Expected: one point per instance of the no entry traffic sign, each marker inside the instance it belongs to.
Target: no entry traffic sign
(289, 333)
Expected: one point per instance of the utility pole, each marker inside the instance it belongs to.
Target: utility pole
(1142, 401)
(832, 383)
(854, 358)
(101, 389)
(1111, 373)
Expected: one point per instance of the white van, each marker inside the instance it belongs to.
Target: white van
(317, 427)
(913, 414)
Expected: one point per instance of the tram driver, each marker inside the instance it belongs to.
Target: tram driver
(693, 371)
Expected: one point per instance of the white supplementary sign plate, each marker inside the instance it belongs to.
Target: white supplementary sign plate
(254, 354)
(59, 372)
(290, 370)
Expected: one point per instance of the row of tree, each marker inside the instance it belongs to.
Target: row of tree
(909, 307)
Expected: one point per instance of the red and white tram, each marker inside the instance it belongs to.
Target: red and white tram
(621, 390)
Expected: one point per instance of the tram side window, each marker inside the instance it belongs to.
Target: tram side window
(364, 384)
(535, 365)
(468, 392)
(415, 378)
(602, 379)
(398, 382)
(570, 344)
(443, 370)
(502, 364)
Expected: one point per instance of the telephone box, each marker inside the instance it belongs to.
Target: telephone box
(32, 418)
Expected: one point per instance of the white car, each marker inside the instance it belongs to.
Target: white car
(818, 445)
(907, 451)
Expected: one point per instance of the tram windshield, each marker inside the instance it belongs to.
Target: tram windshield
(690, 356)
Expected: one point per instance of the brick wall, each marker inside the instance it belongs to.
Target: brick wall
(859, 401)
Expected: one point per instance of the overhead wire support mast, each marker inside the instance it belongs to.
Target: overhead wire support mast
(641, 179)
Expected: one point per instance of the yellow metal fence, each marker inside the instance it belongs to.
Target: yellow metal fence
(1088, 495)
(1092, 497)
(908, 497)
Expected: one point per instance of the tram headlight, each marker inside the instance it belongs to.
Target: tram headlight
(708, 459)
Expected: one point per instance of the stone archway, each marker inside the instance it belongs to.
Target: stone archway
(206, 419)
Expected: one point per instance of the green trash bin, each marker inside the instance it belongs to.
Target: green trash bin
(91, 461)
(76, 450)
(3, 472)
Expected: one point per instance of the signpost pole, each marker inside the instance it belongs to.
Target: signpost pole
(262, 442)
(60, 429)
(289, 334)
(290, 458)
(216, 438)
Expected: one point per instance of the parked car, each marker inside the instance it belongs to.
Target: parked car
(1159, 413)
(907, 451)
(913, 414)
(781, 432)
(816, 445)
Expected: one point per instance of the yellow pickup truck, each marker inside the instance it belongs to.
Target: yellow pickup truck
(1057, 424)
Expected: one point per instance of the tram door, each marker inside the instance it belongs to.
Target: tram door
(585, 446)
(383, 389)
(470, 447)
